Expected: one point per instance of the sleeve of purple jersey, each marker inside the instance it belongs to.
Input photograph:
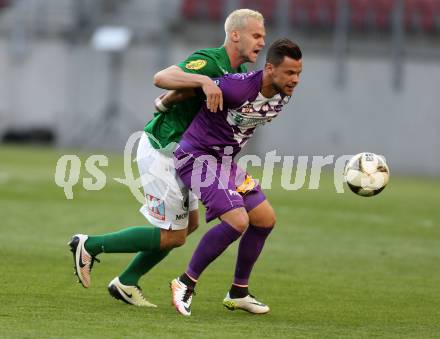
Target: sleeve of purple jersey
(231, 90)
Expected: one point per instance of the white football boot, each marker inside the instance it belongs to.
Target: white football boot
(83, 260)
(248, 303)
(182, 297)
(128, 294)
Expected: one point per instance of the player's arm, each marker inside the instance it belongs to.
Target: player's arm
(172, 97)
(174, 78)
(166, 100)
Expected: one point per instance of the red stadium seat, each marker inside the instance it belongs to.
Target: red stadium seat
(436, 15)
(327, 12)
(203, 10)
(313, 13)
(266, 7)
(427, 8)
(367, 14)
(359, 13)
(420, 15)
(298, 13)
(4, 3)
(383, 12)
(412, 15)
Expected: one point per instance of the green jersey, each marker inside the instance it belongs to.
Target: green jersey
(168, 127)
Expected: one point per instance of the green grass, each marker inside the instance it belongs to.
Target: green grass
(337, 265)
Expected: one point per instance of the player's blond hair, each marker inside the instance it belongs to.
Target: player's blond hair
(238, 19)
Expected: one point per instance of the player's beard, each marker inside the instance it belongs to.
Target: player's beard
(244, 54)
(245, 58)
(278, 89)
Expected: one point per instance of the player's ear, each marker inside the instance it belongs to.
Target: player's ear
(235, 36)
(268, 67)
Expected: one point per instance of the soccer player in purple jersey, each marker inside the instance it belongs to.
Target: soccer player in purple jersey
(207, 150)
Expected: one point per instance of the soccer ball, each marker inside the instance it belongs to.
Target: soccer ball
(367, 174)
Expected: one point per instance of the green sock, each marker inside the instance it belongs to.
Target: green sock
(129, 240)
(141, 264)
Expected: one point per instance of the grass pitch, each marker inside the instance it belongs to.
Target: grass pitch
(336, 266)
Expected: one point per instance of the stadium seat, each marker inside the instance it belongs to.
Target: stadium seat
(358, 13)
(313, 13)
(383, 11)
(371, 14)
(427, 9)
(297, 13)
(4, 3)
(436, 11)
(364, 15)
(266, 7)
(420, 15)
(203, 10)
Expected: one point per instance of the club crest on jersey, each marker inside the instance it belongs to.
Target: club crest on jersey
(248, 108)
(196, 64)
(156, 207)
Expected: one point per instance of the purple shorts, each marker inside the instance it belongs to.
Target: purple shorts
(220, 184)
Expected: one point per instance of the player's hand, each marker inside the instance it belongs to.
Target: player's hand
(159, 104)
(214, 96)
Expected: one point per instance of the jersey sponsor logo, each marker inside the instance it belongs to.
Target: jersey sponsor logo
(156, 207)
(245, 120)
(181, 216)
(196, 64)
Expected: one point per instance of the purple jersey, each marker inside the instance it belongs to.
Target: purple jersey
(244, 108)
(222, 185)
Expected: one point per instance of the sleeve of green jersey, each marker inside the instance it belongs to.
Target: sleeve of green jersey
(200, 64)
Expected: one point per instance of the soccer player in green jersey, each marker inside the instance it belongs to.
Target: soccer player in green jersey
(170, 207)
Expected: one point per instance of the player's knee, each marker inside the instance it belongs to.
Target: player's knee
(179, 241)
(178, 238)
(264, 219)
(271, 219)
(237, 218)
(240, 222)
(171, 239)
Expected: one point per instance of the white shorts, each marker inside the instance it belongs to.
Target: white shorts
(168, 201)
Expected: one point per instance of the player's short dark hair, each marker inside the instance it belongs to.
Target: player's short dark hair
(281, 48)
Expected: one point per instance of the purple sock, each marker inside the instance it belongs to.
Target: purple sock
(213, 243)
(249, 250)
